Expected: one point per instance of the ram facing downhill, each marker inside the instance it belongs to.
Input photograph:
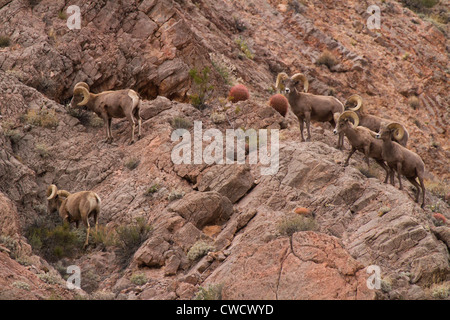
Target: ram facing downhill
(110, 104)
(361, 139)
(74, 207)
(405, 162)
(307, 106)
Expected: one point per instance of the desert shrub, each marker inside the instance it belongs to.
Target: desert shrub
(50, 277)
(42, 150)
(199, 249)
(138, 279)
(180, 123)
(327, 59)
(21, 285)
(440, 291)
(419, 5)
(130, 237)
(202, 87)
(438, 189)
(11, 244)
(42, 118)
(54, 243)
(102, 237)
(62, 15)
(132, 163)
(292, 224)
(175, 195)
(4, 41)
(367, 172)
(153, 189)
(212, 292)
(242, 44)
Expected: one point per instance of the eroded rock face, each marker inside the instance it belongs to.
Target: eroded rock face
(308, 266)
(204, 208)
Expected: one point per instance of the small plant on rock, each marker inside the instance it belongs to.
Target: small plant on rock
(202, 87)
(212, 292)
(292, 224)
(199, 249)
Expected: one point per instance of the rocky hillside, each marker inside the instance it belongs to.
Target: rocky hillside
(180, 231)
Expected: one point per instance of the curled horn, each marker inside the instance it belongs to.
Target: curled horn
(399, 130)
(350, 115)
(82, 84)
(82, 90)
(355, 98)
(51, 191)
(63, 193)
(280, 78)
(301, 76)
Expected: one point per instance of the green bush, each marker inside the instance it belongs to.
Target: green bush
(244, 48)
(202, 87)
(54, 243)
(130, 237)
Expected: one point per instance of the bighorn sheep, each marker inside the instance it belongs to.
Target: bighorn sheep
(110, 104)
(74, 207)
(400, 159)
(372, 122)
(307, 106)
(361, 139)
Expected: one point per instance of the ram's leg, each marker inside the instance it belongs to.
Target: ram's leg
(133, 127)
(300, 121)
(341, 141)
(308, 123)
(399, 170)
(139, 120)
(422, 185)
(416, 185)
(139, 127)
(385, 167)
(87, 233)
(107, 121)
(349, 156)
(391, 175)
(110, 130)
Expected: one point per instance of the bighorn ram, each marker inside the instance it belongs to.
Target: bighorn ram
(307, 106)
(74, 207)
(400, 159)
(108, 105)
(372, 122)
(361, 139)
